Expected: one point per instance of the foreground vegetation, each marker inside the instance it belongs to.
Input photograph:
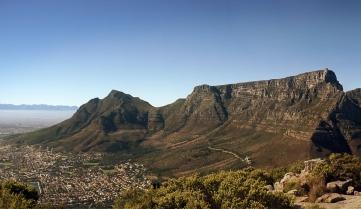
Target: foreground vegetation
(340, 167)
(244, 189)
(238, 189)
(14, 195)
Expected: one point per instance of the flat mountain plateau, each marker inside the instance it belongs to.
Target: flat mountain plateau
(263, 123)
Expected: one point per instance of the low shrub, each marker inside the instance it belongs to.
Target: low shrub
(14, 195)
(340, 167)
(278, 173)
(240, 189)
(317, 187)
(295, 184)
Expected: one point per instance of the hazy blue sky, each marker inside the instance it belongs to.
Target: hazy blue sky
(69, 51)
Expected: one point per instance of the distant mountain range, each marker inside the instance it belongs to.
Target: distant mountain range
(268, 123)
(37, 107)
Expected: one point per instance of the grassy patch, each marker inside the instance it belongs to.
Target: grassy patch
(6, 163)
(90, 164)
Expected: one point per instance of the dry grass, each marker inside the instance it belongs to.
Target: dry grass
(317, 187)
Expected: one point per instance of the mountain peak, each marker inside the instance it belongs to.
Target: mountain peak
(324, 75)
(330, 77)
(204, 88)
(116, 93)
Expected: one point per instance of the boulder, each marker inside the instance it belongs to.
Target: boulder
(332, 187)
(330, 198)
(350, 190)
(288, 177)
(299, 180)
(338, 186)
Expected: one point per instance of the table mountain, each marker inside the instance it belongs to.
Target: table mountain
(267, 123)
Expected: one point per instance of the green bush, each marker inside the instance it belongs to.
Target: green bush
(14, 195)
(223, 190)
(317, 187)
(340, 167)
(278, 173)
(335, 167)
(295, 184)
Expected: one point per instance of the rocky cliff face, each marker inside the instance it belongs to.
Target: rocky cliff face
(355, 96)
(271, 122)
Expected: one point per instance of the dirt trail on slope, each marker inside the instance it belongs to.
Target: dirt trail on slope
(245, 160)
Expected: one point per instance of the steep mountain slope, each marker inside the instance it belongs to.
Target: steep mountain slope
(111, 124)
(273, 122)
(270, 122)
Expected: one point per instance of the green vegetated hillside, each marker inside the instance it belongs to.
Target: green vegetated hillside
(266, 123)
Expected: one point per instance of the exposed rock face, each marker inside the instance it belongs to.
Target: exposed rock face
(330, 198)
(271, 122)
(355, 96)
(341, 132)
(350, 190)
(202, 110)
(287, 179)
(338, 186)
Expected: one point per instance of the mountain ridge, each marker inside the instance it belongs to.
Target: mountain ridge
(273, 122)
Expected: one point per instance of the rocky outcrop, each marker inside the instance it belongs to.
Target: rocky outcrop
(355, 96)
(350, 190)
(330, 198)
(339, 186)
(270, 122)
(341, 132)
(350, 202)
